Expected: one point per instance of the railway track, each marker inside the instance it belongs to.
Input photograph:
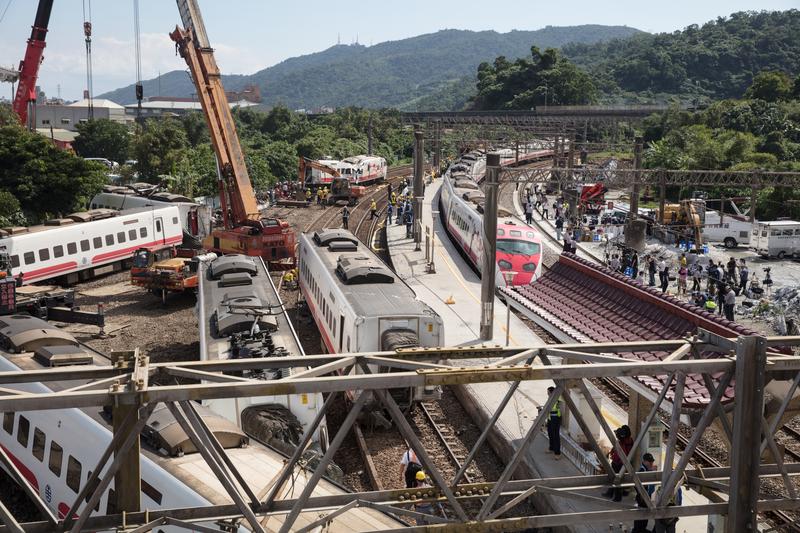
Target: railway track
(620, 395)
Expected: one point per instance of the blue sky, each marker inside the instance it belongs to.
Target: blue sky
(250, 35)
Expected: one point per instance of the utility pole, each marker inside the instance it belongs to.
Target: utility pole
(419, 170)
(369, 135)
(489, 270)
(437, 146)
(637, 165)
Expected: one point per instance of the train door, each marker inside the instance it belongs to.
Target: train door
(159, 231)
(341, 333)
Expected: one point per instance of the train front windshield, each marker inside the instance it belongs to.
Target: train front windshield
(516, 247)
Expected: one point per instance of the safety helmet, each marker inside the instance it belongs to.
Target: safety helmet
(420, 476)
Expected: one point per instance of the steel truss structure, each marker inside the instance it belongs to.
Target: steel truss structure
(129, 389)
(622, 178)
(543, 116)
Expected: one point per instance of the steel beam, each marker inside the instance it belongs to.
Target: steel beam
(519, 453)
(301, 503)
(750, 364)
(132, 435)
(216, 466)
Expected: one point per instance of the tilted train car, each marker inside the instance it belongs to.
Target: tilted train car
(55, 450)
(359, 304)
(363, 169)
(84, 245)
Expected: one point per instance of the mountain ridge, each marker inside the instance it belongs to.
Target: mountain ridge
(389, 74)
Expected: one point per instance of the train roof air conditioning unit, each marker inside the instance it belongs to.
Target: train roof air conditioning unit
(359, 269)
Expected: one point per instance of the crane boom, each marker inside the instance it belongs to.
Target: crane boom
(236, 191)
(244, 232)
(29, 66)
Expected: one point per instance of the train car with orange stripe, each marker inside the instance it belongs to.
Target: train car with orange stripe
(83, 245)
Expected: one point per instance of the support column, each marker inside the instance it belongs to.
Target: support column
(638, 409)
(437, 147)
(419, 170)
(635, 228)
(516, 153)
(127, 480)
(753, 202)
(489, 270)
(747, 418)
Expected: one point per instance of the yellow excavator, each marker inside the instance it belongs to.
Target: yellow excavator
(686, 214)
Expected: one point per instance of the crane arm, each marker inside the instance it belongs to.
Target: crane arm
(194, 47)
(306, 163)
(29, 66)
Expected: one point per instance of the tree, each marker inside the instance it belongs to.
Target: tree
(544, 77)
(102, 138)
(159, 147)
(44, 180)
(770, 86)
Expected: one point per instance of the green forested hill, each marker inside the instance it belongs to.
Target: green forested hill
(715, 60)
(391, 74)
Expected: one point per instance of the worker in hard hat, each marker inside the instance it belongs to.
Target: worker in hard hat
(373, 209)
(422, 507)
(319, 196)
(288, 279)
(308, 196)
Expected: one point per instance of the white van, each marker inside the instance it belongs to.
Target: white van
(779, 238)
(730, 230)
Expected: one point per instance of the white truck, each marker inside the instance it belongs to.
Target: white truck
(777, 238)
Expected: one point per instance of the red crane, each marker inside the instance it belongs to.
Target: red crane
(25, 98)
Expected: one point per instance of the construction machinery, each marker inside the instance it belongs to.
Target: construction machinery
(342, 190)
(244, 231)
(685, 218)
(25, 98)
(161, 275)
(592, 199)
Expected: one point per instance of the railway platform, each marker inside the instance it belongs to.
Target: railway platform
(453, 290)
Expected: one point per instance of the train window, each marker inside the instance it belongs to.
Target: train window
(73, 474)
(111, 503)
(158, 226)
(142, 232)
(121, 236)
(151, 492)
(85, 245)
(39, 440)
(348, 344)
(501, 232)
(44, 254)
(14, 261)
(58, 251)
(56, 455)
(8, 422)
(110, 240)
(72, 248)
(97, 242)
(23, 431)
(29, 258)
(132, 234)
(174, 220)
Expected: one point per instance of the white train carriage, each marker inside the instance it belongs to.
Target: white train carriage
(461, 202)
(358, 304)
(363, 169)
(55, 450)
(195, 218)
(88, 244)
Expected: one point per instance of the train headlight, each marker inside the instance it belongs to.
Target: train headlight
(529, 267)
(505, 265)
